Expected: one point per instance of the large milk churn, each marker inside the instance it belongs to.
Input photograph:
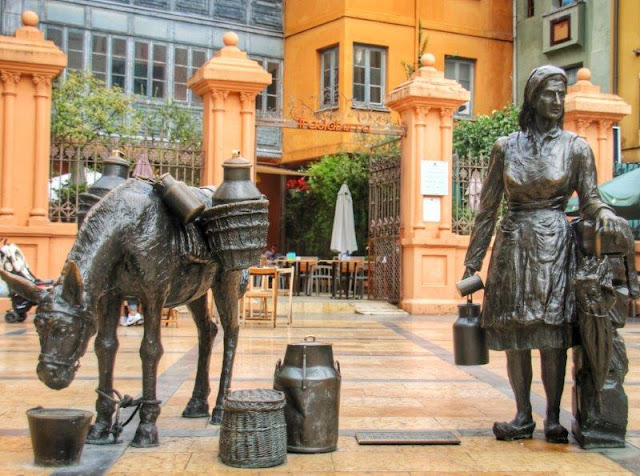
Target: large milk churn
(311, 383)
(469, 343)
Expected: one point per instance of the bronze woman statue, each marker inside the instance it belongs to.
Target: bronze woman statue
(529, 300)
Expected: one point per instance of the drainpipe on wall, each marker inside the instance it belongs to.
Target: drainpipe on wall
(514, 69)
(616, 18)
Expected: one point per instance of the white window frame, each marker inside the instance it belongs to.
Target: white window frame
(150, 79)
(332, 53)
(192, 99)
(366, 102)
(465, 111)
(262, 99)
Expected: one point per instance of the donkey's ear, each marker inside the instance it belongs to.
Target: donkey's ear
(72, 285)
(23, 287)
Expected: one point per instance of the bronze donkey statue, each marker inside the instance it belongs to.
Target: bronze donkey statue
(131, 245)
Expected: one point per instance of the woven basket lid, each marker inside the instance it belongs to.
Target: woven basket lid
(260, 398)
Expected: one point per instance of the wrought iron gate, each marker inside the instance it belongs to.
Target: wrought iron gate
(384, 225)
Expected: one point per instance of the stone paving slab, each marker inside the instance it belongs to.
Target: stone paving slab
(398, 374)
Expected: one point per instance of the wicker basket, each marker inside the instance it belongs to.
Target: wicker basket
(237, 232)
(254, 431)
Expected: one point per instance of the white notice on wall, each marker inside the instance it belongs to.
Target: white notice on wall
(431, 209)
(434, 177)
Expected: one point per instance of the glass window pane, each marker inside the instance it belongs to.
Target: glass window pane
(273, 88)
(358, 92)
(259, 102)
(273, 69)
(158, 71)
(198, 58)
(272, 103)
(117, 66)
(180, 74)
(99, 44)
(55, 35)
(158, 89)
(118, 47)
(100, 76)
(140, 69)
(376, 95)
(140, 86)
(142, 50)
(75, 40)
(359, 56)
(375, 76)
(375, 60)
(180, 92)
(464, 72)
(181, 56)
(74, 60)
(159, 53)
(358, 75)
(99, 64)
(117, 80)
(449, 69)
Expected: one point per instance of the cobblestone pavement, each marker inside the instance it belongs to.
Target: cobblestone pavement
(398, 374)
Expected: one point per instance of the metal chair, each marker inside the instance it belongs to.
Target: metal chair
(321, 278)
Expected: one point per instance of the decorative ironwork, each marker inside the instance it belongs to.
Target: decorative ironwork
(468, 176)
(384, 227)
(74, 166)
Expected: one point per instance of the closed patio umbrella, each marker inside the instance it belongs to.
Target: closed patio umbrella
(143, 168)
(343, 236)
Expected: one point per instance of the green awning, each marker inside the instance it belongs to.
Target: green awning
(621, 193)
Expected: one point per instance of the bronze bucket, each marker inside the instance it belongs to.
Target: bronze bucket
(311, 383)
(58, 435)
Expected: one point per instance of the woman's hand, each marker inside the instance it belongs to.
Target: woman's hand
(468, 272)
(609, 223)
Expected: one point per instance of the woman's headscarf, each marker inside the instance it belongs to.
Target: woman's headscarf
(536, 79)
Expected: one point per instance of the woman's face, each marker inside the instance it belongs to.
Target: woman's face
(550, 100)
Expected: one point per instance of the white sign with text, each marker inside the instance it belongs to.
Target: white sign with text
(434, 177)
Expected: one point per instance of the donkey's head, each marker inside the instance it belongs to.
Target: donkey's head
(63, 323)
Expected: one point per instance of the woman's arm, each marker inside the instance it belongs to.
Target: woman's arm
(490, 198)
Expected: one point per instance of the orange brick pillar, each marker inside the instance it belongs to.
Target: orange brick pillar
(592, 114)
(431, 254)
(28, 63)
(228, 84)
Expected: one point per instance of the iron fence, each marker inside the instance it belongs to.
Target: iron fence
(468, 175)
(75, 166)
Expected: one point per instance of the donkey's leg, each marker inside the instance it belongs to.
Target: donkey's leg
(226, 291)
(150, 353)
(198, 406)
(106, 346)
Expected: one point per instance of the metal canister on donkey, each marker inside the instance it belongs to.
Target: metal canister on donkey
(310, 381)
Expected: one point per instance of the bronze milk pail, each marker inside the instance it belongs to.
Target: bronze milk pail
(310, 381)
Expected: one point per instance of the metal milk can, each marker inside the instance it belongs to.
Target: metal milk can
(311, 383)
(469, 343)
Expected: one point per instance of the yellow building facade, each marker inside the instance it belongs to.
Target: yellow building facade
(343, 57)
(627, 72)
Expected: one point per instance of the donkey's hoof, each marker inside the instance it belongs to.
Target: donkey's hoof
(146, 436)
(99, 435)
(196, 408)
(216, 417)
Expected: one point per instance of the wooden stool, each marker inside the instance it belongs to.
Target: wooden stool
(170, 316)
(253, 432)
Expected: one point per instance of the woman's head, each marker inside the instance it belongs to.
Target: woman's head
(551, 82)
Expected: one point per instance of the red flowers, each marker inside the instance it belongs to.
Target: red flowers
(299, 184)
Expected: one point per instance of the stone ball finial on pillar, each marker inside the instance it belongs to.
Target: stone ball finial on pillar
(30, 18)
(584, 74)
(427, 60)
(230, 40)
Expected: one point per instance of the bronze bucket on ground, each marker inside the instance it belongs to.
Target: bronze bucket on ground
(58, 435)
(469, 343)
(311, 383)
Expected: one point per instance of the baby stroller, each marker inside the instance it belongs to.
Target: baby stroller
(12, 260)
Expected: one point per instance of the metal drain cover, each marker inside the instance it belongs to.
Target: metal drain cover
(406, 438)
